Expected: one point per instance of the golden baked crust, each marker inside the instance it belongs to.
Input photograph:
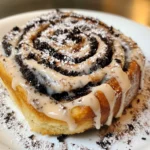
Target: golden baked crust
(61, 93)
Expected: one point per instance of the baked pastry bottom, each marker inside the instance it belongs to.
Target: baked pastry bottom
(82, 115)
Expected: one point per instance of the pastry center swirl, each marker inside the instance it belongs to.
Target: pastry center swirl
(64, 55)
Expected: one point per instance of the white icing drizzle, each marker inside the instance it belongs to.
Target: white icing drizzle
(92, 101)
(124, 83)
(63, 111)
(110, 95)
(60, 82)
(137, 55)
(133, 53)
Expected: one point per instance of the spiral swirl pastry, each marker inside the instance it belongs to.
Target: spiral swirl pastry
(76, 71)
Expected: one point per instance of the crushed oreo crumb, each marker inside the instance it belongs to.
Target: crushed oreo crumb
(138, 100)
(62, 138)
(129, 141)
(32, 137)
(9, 116)
(143, 138)
(131, 127)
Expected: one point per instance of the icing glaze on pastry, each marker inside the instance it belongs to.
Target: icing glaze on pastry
(62, 59)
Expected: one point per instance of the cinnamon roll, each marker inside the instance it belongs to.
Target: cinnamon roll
(69, 73)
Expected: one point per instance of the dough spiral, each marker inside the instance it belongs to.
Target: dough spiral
(73, 61)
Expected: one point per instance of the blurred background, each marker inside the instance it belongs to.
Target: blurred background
(137, 10)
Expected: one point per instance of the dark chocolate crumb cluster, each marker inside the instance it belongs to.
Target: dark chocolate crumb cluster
(131, 127)
(9, 116)
(61, 138)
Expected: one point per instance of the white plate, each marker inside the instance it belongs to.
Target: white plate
(17, 137)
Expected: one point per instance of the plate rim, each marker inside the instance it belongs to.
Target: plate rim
(72, 9)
